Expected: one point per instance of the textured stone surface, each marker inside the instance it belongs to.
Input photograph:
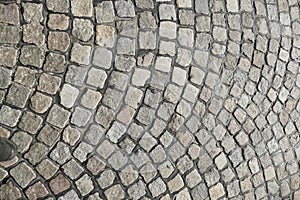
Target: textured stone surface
(144, 99)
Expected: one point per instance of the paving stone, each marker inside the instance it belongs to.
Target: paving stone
(59, 41)
(102, 58)
(75, 75)
(33, 33)
(58, 21)
(55, 63)
(68, 95)
(18, 95)
(186, 17)
(80, 117)
(24, 76)
(90, 99)
(9, 116)
(124, 8)
(82, 29)
(61, 153)
(124, 63)
(40, 103)
(81, 54)
(137, 190)
(69, 195)
(58, 6)
(22, 140)
(118, 80)
(59, 184)
(104, 116)
(125, 46)
(47, 168)
(48, 135)
(96, 77)
(128, 28)
(72, 169)
(58, 116)
(105, 36)
(112, 98)
(147, 20)
(168, 29)
(30, 122)
(82, 8)
(140, 76)
(84, 185)
(23, 174)
(82, 151)
(175, 184)
(167, 12)
(106, 178)
(32, 55)
(9, 191)
(157, 187)
(37, 190)
(105, 12)
(95, 165)
(126, 115)
(199, 192)
(45, 86)
(9, 14)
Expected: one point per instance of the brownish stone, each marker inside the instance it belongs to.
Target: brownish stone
(9, 14)
(58, 41)
(58, 22)
(59, 184)
(36, 191)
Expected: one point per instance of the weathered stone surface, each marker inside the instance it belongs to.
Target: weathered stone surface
(125, 8)
(90, 99)
(82, 8)
(32, 55)
(22, 140)
(8, 55)
(80, 117)
(58, 116)
(102, 58)
(25, 76)
(23, 174)
(68, 95)
(105, 36)
(82, 29)
(84, 185)
(40, 103)
(55, 63)
(9, 116)
(58, 22)
(9, 34)
(81, 54)
(9, 191)
(33, 33)
(30, 122)
(18, 95)
(5, 77)
(105, 12)
(59, 184)
(71, 135)
(61, 153)
(48, 135)
(49, 83)
(75, 75)
(36, 153)
(59, 41)
(37, 190)
(58, 5)
(9, 14)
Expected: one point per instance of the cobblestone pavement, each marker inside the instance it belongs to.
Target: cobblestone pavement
(150, 99)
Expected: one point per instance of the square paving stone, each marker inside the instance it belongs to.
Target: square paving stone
(9, 14)
(9, 56)
(96, 77)
(23, 174)
(80, 116)
(72, 169)
(112, 98)
(37, 190)
(81, 54)
(58, 21)
(71, 135)
(32, 12)
(102, 58)
(33, 33)
(167, 12)
(94, 134)
(9, 34)
(59, 184)
(32, 55)
(25, 76)
(104, 116)
(37, 152)
(40, 103)
(82, 151)
(22, 140)
(124, 8)
(58, 116)
(58, 5)
(147, 40)
(68, 95)
(59, 41)
(30, 122)
(48, 135)
(126, 46)
(118, 80)
(18, 95)
(49, 83)
(83, 29)
(55, 63)
(90, 99)
(84, 185)
(61, 153)
(105, 36)
(82, 8)
(76, 75)
(9, 116)
(105, 12)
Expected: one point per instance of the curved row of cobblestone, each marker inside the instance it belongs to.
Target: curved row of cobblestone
(150, 99)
